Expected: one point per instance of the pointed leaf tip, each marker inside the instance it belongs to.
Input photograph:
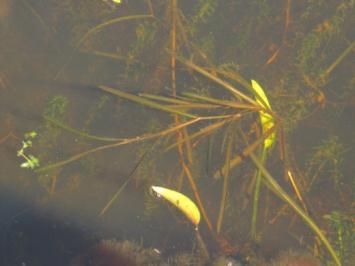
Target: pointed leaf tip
(267, 120)
(180, 201)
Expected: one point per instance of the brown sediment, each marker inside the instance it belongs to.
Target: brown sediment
(115, 253)
(5, 9)
(295, 258)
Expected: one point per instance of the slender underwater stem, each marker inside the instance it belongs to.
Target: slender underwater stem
(278, 190)
(225, 187)
(202, 245)
(257, 196)
(113, 145)
(339, 59)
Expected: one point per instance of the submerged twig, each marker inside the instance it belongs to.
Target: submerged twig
(120, 143)
(206, 130)
(225, 186)
(110, 22)
(112, 56)
(223, 83)
(121, 188)
(97, 29)
(38, 16)
(339, 59)
(296, 189)
(144, 101)
(79, 132)
(257, 197)
(249, 149)
(193, 186)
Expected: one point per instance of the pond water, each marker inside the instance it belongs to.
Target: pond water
(123, 95)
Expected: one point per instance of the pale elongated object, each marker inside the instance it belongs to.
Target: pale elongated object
(180, 201)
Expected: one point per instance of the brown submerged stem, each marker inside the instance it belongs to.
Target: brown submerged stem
(120, 143)
(337, 61)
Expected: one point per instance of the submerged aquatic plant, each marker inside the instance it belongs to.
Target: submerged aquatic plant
(326, 159)
(344, 236)
(30, 160)
(188, 207)
(212, 103)
(267, 123)
(114, 253)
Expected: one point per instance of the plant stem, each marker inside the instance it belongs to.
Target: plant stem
(144, 101)
(278, 190)
(221, 82)
(257, 196)
(339, 59)
(225, 186)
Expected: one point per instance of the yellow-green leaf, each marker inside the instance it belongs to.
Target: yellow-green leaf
(267, 120)
(182, 202)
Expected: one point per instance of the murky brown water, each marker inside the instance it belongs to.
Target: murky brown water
(46, 68)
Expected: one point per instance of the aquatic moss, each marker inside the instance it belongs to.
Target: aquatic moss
(344, 235)
(327, 159)
(49, 134)
(204, 10)
(312, 54)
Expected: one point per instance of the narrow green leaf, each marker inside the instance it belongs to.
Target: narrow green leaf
(144, 101)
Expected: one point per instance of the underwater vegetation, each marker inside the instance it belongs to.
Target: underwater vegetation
(236, 112)
(115, 253)
(127, 253)
(344, 235)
